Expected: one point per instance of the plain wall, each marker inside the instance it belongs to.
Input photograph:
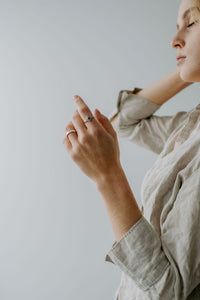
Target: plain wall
(54, 229)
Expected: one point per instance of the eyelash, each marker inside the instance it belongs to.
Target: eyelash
(191, 24)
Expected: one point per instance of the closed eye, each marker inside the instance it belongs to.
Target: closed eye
(190, 24)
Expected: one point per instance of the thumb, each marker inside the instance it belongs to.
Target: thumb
(104, 122)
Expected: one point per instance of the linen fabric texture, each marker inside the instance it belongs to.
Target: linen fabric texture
(159, 256)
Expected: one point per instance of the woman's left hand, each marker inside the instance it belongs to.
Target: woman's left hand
(94, 146)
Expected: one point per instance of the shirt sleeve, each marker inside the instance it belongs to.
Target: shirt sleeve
(166, 266)
(137, 122)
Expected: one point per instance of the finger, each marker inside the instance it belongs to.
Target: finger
(104, 121)
(67, 144)
(72, 137)
(78, 123)
(84, 111)
(66, 141)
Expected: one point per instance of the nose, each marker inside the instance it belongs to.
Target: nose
(177, 41)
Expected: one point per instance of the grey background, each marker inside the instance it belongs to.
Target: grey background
(54, 229)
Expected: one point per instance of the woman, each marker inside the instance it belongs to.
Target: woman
(158, 248)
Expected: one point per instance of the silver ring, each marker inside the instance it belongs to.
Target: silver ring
(88, 119)
(70, 131)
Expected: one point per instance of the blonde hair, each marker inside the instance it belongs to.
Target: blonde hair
(196, 12)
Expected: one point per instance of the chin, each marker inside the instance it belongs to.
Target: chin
(189, 75)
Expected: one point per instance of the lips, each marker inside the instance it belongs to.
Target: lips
(180, 60)
(179, 57)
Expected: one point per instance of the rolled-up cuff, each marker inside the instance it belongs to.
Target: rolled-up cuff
(139, 254)
(116, 110)
(131, 108)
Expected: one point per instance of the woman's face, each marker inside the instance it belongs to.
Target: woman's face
(187, 42)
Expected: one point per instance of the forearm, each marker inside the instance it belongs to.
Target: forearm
(164, 89)
(119, 201)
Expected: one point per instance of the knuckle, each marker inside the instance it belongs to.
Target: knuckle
(85, 139)
(74, 156)
(84, 110)
(69, 125)
(76, 150)
(96, 132)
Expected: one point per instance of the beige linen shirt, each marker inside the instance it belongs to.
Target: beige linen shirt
(159, 256)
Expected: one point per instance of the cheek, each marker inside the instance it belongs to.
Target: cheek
(194, 47)
(195, 54)
(195, 36)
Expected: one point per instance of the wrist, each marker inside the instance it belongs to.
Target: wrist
(113, 177)
(120, 203)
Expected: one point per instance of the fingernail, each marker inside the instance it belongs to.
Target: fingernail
(98, 111)
(75, 97)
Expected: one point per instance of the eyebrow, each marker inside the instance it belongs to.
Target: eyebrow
(186, 12)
